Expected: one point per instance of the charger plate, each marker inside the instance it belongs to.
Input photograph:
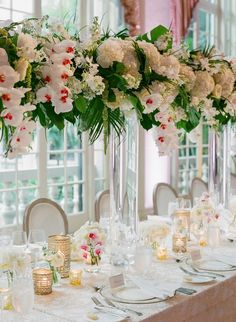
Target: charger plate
(211, 265)
(129, 294)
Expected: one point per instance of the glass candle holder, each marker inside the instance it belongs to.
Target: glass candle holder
(42, 278)
(182, 222)
(75, 276)
(179, 243)
(61, 243)
(162, 253)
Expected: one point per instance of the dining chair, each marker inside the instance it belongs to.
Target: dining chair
(47, 215)
(163, 193)
(198, 186)
(102, 204)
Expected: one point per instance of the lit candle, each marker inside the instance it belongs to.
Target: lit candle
(202, 242)
(179, 243)
(162, 253)
(42, 281)
(75, 277)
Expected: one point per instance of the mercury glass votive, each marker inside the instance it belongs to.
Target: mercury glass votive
(182, 218)
(179, 243)
(42, 278)
(61, 243)
(75, 277)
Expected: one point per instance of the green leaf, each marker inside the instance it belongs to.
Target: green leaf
(69, 116)
(81, 103)
(157, 32)
(111, 95)
(146, 122)
(118, 67)
(194, 116)
(56, 119)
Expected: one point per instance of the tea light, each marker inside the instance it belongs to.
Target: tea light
(202, 242)
(42, 278)
(179, 243)
(75, 277)
(162, 253)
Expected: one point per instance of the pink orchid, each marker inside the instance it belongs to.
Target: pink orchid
(8, 76)
(92, 235)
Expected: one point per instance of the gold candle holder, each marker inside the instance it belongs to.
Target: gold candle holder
(42, 278)
(61, 243)
(75, 277)
(179, 243)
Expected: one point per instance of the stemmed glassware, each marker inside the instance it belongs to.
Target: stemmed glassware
(19, 240)
(36, 241)
(4, 291)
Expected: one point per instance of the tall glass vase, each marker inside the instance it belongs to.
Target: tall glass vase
(219, 165)
(123, 191)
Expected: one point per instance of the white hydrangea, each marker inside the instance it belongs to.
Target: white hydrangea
(109, 51)
(130, 59)
(169, 67)
(226, 80)
(133, 82)
(95, 83)
(121, 101)
(204, 84)
(152, 54)
(187, 75)
(26, 45)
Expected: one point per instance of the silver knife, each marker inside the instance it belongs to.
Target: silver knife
(196, 274)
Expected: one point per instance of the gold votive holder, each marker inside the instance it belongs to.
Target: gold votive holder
(162, 253)
(183, 216)
(179, 243)
(42, 278)
(75, 276)
(61, 243)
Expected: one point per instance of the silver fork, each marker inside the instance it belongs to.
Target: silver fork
(195, 274)
(110, 303)
(101, 305)
(206, 272)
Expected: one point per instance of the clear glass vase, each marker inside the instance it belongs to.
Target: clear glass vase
(123, 191)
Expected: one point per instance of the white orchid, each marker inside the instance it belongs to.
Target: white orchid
(8, 76)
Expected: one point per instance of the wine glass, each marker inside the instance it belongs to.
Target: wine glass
(36, 241)
(19, 240)
(143, 259)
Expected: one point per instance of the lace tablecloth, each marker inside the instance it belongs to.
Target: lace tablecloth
(213, 301)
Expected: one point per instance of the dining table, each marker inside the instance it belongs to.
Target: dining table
(212, 301)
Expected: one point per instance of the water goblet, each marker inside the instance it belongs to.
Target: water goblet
(19, 240)
(23, 295)
(143, 259)
(36, 241)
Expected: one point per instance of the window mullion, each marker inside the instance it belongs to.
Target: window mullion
(42, 161)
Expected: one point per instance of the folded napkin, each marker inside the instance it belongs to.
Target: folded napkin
(157, 289)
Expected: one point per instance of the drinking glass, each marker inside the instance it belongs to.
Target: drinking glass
(172, 207)
(23, 295)
(5, 239)
(4, 292)
(36, 241)
(213, 236)
(19, 240)
(143, 259)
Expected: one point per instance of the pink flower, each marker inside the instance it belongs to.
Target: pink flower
(85, 255)
(92, 235)
(99, 243)
(98, 251)
(84, 247)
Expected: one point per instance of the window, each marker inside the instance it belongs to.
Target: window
(62, 165)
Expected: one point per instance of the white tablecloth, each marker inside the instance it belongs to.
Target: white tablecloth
(212, 302)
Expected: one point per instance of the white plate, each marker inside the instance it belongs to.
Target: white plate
(212, 265)
(198, 279)
(128, 294)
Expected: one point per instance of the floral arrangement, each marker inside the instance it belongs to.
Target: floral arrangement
(50, 76)
(54, 260)
(88, 242)
(205, 210)
(153, 233)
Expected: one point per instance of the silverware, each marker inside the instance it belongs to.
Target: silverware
(110, 311)
(196, 274)
(110, 303)
(206, 272)
(110, 308)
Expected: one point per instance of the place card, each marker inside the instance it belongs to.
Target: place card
(117, 281)
(195, 255)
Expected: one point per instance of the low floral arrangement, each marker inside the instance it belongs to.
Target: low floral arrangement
(55, 260)
(154, 233)
(205, 210)
(50, 76)
(88, 242)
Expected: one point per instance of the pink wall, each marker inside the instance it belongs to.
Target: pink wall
(156, 169)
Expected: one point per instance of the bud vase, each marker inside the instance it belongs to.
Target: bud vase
(123, 190)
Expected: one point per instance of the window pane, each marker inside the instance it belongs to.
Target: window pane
(26, 5)
(5, 4)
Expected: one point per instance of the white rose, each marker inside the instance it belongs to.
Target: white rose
(226, 80)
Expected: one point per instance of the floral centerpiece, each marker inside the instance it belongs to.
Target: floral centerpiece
(54, 260)
(50, 76)
(88, 243)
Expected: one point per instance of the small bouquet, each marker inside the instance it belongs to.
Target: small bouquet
(155, 233)
(54, 260)
(88, 241)
(205, 210)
